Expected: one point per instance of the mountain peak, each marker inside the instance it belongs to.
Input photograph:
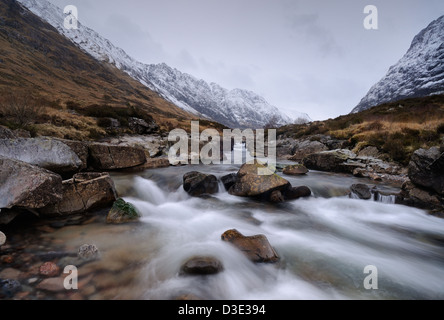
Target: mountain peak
(233, 108)
(420, 72)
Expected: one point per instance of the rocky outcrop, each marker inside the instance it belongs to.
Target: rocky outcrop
(426, 169)
(197, 184)
(122, 212)
(27, 186)
(46, 153)
(250, 183)
(333, 161)
(140, 126)
(256, 248)
(295, 170)
(201, 265)
(111, 157)
(85, 191)
(307, 147)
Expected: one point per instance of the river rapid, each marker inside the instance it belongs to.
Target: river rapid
(325, 242)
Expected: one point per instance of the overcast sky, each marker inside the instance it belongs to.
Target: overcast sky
(310, 56)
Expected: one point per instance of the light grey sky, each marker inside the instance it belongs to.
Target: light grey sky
(309, 56)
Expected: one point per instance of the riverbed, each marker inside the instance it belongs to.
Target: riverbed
(326, 244)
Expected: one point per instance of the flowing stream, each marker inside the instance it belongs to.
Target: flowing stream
(325, 242)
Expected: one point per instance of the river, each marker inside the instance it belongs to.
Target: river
(325, 243)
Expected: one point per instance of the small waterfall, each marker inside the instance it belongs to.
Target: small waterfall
(388, 199)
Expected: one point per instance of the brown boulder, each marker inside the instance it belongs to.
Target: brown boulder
(250, 183)
(111, 157)
(256, 248)
(197, 184)
(295, 170)
(83, 192)
(27, 186)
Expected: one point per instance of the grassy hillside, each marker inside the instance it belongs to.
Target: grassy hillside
(55, 84)
(397, 128)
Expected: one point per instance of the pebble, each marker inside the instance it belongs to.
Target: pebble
(49, 269)
(52, 285)
(2, 238)
(88, 252)
(9, 287)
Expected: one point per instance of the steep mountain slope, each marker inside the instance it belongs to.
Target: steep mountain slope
(419, 73)
(234, 108)
(35, 58)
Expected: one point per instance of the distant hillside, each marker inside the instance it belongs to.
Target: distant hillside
(36, 61)
(396, 128)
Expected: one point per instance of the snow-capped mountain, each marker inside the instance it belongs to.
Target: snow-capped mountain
(233, 108)
(419, 73)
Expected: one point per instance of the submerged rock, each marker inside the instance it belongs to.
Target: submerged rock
(197, 184)
(88, 252)
(49, 269)
(122, 212)
(27, 186)
(256, 248)
(9, 287)
(201, 266)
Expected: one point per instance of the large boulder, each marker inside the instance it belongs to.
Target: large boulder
(250, 183)
(46, 153)
(27, 186)
(197, 184)
(333, 161)
(85, 191)
(112, 157)
(256, 248)
(80, 148)
(307, 147)
(295, 170)
(426, 169)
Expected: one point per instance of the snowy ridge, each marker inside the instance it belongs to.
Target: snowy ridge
(419, 73)
(233, 108)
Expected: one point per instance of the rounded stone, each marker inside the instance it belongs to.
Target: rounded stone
(88, 252)
(49, 269)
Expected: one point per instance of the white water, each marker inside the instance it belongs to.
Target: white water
(324, 244)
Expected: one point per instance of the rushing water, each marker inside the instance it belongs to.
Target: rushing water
(324, 242)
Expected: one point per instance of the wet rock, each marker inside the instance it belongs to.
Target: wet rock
(85, 191)
(276, 197)
(122, 212)
(414, 196)
(256, 180)
(229, 180)
(295, 170)
(256, 248)
(49, 269)
(333, 161)
(426, 169)
(294, 193)
(88, 252)
(27, 186)
(2, 238)
(197, 184)
(362, 191)
(112, 157)
(45, 153)
(7, 215)
(154, 163)
(201, 266)
(9, 287)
